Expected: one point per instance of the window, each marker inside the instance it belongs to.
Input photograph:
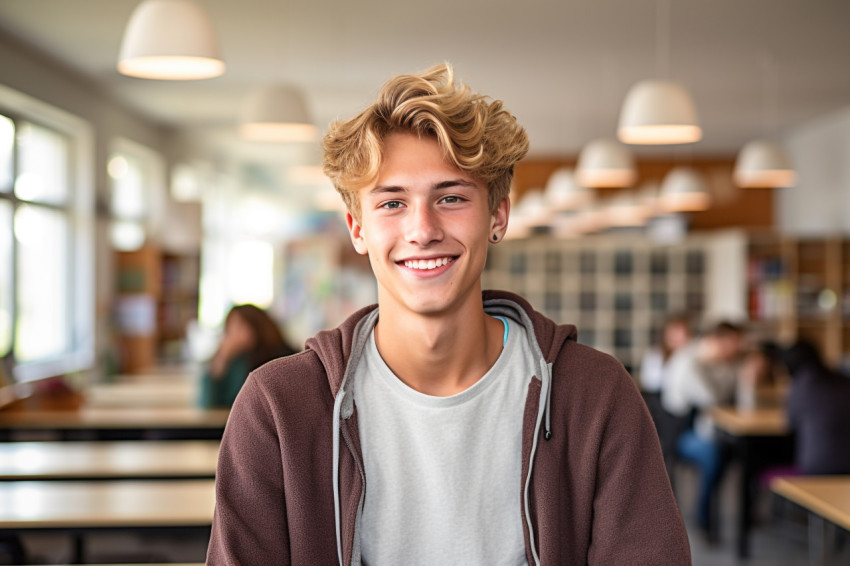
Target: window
(46, 253)
(137, 180)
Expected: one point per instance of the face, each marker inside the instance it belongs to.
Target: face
(425, 226)
(239, 333)
(729, 346)
(676, 335)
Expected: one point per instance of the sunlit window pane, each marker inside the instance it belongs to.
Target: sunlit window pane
(5, 277)
(128, 190)
(127, 235)
(185, 184)
(43, 165)
(42, 320)
(251, 273)
(7, 141)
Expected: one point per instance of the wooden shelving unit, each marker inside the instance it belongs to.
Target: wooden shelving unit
(157, 295)
(799, 288)
(177, 304)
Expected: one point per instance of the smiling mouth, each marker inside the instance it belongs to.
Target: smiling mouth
(426, 264)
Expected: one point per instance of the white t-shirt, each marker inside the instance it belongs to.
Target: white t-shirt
(443, 474)
(691, 383)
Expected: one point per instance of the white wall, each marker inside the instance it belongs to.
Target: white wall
(726, 289)
(820, 203)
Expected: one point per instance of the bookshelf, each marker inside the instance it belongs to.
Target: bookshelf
(177, 304)
(799, 287)
(157, 295)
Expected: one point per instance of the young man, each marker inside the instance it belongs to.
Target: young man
(441, 426)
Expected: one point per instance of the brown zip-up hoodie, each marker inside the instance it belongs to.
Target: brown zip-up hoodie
(594, 492)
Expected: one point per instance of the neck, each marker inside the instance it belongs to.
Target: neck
(439, 355)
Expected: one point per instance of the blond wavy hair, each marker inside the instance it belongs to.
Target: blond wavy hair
(475, 133)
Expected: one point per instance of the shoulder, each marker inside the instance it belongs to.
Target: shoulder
(583, 375)
(582, 363)
(293, 383)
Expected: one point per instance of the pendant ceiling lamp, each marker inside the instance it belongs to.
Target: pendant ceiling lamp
(763, 163)
(626, 211)
(564, 193)
(649, 195)
(532, 210)
(277, 113)
(659, 111)
(606, 163)
(170, 40)
(684, 190)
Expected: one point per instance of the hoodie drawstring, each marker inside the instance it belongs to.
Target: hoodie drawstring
(547, 426)
(337, 504)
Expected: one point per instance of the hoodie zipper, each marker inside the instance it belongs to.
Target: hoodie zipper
(545, 392)
(346, 437)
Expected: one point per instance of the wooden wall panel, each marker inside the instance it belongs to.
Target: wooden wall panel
(732, 206)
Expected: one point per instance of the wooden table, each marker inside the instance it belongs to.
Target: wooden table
(34, 505)
(751, 433)
(827, 499)
(125, 422)
(108, 460)
(751, 422)
(144, 393)
(77, 507)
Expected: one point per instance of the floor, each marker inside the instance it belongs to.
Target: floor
(775, 541)
(779, 536)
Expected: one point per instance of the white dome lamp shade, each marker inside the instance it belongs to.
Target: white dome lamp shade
(684, 190)
(564, 193)
(649, 196)
(605, 163)
(277, 113)
(657, 112)
(625, 210)
(170, 40)
(763, 163)
(532, 209)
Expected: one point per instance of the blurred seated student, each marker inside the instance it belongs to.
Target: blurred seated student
(675, 334)
(818, 411)
(761, 381)
(251, 338)
(701, 375)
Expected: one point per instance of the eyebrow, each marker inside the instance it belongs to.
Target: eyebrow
(441, 185)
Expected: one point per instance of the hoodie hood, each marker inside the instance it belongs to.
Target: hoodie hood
(336, 347)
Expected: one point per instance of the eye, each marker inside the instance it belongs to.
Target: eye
(451, 199)
(391, 205)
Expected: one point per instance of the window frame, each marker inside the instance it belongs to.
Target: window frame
(81, 245)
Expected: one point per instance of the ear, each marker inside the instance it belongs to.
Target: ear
(355, 230)
(499, 219)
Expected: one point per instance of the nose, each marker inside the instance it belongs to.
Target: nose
(422, 226)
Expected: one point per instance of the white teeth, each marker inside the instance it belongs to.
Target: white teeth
(426, 263)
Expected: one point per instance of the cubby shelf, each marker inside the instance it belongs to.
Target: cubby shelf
(616, 290)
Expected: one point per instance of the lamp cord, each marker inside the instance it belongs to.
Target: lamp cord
(662, 39)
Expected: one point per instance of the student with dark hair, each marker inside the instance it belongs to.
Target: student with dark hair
(251, 338)
(444, 425)
(818, 411)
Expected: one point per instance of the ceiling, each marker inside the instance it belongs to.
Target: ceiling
(561, 66)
